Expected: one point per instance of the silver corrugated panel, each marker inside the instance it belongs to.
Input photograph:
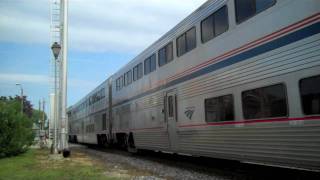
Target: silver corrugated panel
(274, 143)
(157, 140)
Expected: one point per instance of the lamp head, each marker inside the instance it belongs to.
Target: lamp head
(56, 48)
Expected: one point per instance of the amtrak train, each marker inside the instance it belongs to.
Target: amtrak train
(236, 79)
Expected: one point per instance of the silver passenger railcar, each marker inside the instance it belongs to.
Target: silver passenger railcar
(89, 119)
(235, 79)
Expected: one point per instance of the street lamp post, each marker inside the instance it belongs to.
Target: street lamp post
(56, 48)
(21, 96)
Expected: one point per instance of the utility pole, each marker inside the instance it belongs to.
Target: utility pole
(39, 120)
(21, 96)
(53, 123)
(64, 120)
(43, 114)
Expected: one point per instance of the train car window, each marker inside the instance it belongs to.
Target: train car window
(181, 45)
(169, 52)
(165, 54)
(135, 73)
(221, 23)
(140, 70)
(121, 82)
(191, 39)
(162, 56)
(207, 30)
(265, 102)
(128, 77)
(124, 79)
(310, 95)
(248, 8)
(186, 42)
(153, 63)
(150, 64)
(147, 66)
(117, 88)
(214, 25)
(219, 109)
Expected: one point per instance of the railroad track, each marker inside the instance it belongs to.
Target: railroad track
(187, 167)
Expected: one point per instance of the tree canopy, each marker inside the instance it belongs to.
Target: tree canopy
(16, 133)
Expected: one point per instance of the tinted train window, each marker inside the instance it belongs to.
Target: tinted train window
(121, 82)
(153, 63)
(181, 45)
(127, 78)
(165, 54)
(248, 8)
(124, 79)
(191, 39)
(118, 87)
(150, 64)
(265, 102)
(215, 24)
(137, 72)
(146, 66)
(310, 95)
(219, 109)
(186, 42)
(140, 70)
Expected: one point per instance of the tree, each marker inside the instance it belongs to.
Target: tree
(27, 106)
(16, 133)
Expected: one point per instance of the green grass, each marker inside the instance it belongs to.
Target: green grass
(36, 164)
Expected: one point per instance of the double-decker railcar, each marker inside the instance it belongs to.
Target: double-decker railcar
(89, 119)
(236, 80)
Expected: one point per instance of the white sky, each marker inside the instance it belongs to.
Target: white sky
(95, 25)
(103, 36)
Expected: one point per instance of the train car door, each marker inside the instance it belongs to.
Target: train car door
(171, 117)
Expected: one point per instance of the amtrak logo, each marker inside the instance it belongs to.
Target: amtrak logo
(189, 112)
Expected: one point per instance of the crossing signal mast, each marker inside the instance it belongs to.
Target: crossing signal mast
(58, 94)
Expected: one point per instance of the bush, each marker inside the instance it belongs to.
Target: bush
(16, 133)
